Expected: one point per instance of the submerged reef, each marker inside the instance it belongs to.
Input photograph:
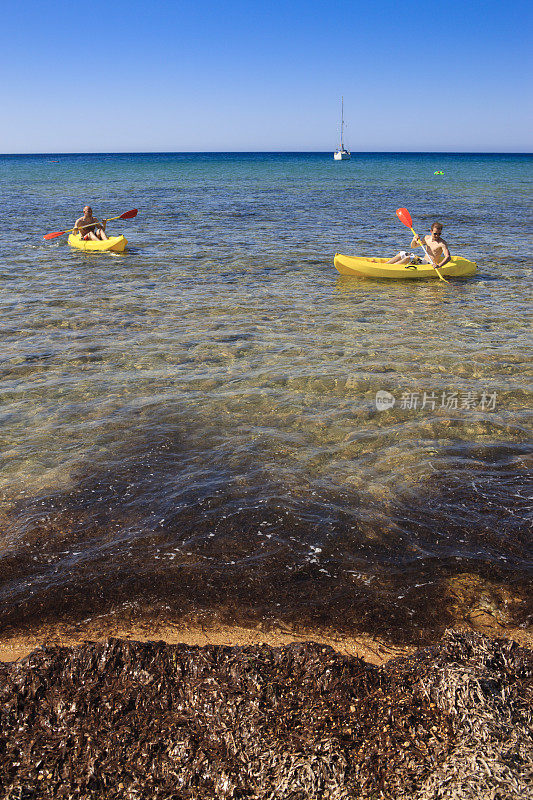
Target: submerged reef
(154, 721)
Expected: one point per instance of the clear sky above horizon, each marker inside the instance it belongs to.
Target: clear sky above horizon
(158, 76)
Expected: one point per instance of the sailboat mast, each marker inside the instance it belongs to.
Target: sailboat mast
(340, 153)
(342, 122)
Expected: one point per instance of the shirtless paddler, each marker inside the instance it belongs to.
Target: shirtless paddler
(437, 249)
(89, 227)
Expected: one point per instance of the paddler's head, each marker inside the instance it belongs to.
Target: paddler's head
(436, 230)
(88, 211)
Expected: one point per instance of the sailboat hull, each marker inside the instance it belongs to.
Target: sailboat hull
(342, 155)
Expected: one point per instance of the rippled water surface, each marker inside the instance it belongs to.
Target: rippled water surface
(192, 426)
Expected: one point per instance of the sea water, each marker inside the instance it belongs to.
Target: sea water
(191, 427)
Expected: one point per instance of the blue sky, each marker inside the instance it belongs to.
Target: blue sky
(150, 76)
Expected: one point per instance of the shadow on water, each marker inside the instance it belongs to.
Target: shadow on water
(175, 527)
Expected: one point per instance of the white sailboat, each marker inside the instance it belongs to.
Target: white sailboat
(341, 153)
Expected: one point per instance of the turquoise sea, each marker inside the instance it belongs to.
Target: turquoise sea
(190, 428)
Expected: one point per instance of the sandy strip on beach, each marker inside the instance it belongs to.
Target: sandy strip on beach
(372, 649)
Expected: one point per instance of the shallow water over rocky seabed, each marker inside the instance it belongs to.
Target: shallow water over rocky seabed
(191, 427)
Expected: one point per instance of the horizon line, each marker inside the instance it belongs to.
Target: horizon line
(268, 152)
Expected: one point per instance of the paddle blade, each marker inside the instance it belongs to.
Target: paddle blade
(404, 216)
(54, 235)
(129, 214)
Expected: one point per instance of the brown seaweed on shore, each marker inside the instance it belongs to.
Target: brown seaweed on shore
(155, 721)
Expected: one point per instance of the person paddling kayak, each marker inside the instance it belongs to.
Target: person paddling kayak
(438, 253)
(89, 227)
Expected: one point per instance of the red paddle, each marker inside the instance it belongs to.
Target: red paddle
(405, 217)
(125, 215)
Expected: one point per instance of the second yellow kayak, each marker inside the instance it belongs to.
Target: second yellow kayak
(115, 244)
(365, 267)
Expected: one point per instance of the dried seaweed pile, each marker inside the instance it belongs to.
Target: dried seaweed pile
(131, 720)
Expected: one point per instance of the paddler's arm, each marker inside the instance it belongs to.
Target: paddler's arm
(416, 242)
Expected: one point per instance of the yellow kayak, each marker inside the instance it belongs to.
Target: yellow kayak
(116, 244)
(365, 267)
